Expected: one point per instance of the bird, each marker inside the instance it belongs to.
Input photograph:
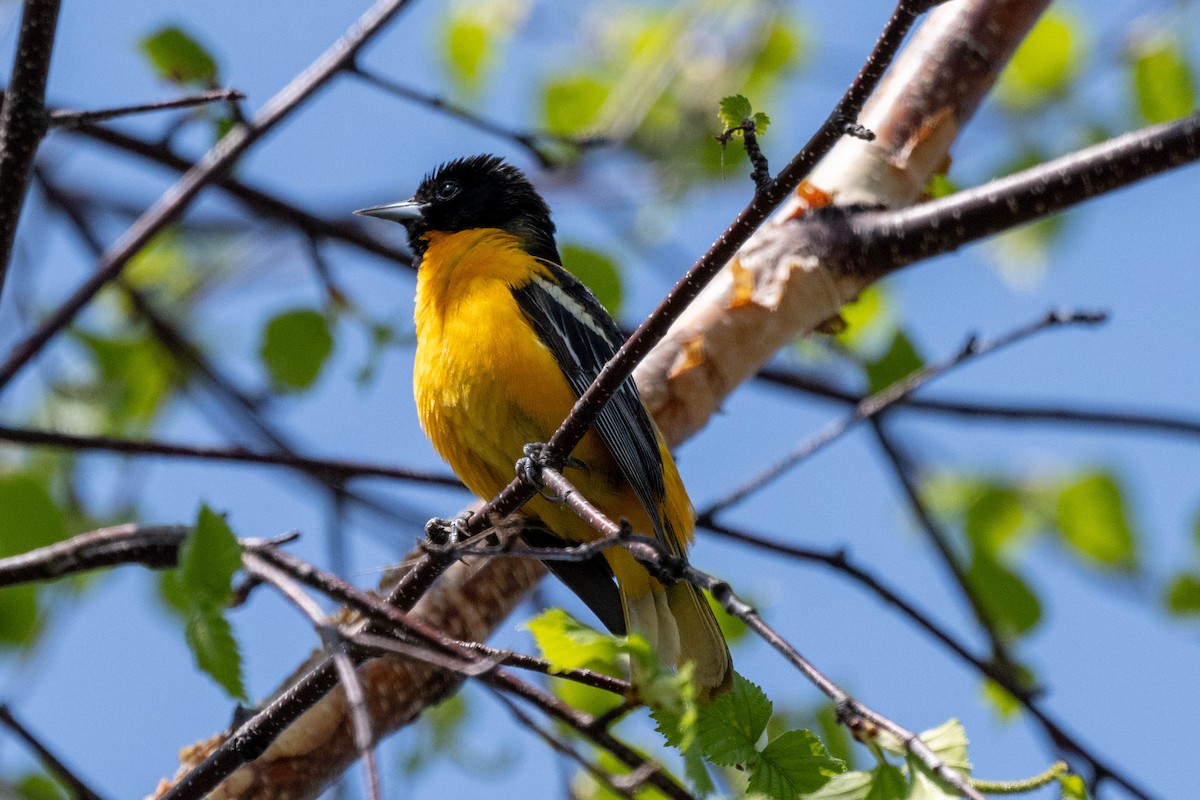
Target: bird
(507, 341)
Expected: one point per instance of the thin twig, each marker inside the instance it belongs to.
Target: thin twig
(389, 616)
(223, 155)
(194, 363)
(903, 472)
(876, 242)
(23, 117)
(53, 765)
(1025, 695)
(532, 143)
(852, 713)
(652, 330)
(260, 202)
(66, 119)
(335, 645)
(996, 411)
(887, 397)
(335, 469)
(564, 748)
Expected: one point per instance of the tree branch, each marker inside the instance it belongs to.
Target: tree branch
(66, 119)
(885, 398)
(23, 117)
(874, 243)
(995, 411)
(336, 470)
(860, 719)
(214, 163)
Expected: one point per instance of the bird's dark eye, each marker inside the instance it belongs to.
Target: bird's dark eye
(448, 189)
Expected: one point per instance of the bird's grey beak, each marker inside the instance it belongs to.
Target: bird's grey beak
(396, 212)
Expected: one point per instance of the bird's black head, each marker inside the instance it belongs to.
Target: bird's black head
(475, 192)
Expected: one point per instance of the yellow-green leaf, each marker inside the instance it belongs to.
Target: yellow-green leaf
(1045, 63)
(570, 106)
(733, 110)
(177, 57)
(1091, 516)
(1183, 595)
(467, 45)
(900, 361)
(598, 272)
(1163, 83)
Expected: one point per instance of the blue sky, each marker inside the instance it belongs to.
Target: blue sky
(1118, 672)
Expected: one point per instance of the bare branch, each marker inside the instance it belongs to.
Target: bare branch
(154, 546)
(327, 469)
(874, 243)
(223, 155)
(532, 143)
(995, 411)
(258, 201)
(885, 398)
(655, 327)
(66, 119)
(1027, 696)
(863, 721)
(23, 117)
(335, 645)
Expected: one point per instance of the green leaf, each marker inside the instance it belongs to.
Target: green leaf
(734, 110)
(885, 782)
(925, 786)
(215, 650)
(136, 377)
(295, 346)
(179, 58)
(163, 266)
(794, 763)
(1073, 787)
(729, 727)
(1183, 595)
(761, 121)
(39, 786)
(1091, 516)
(994, 517)
(598, 272)
(467, 45)
(780, 49)
(1162, 80)
(1002, 701)
(870, 323)
(900, 361)
(732, 628)
(1044, 65)
(29, 520)
(569, 644)
(571, 106)
(940, 186)
(19, 618)
(949, 742)
(1005, 596)
(207, 561)
(834, 734)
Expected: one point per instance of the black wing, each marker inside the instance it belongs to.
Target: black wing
(582, 336)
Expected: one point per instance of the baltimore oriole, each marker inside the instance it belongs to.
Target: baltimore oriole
(507, 340)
